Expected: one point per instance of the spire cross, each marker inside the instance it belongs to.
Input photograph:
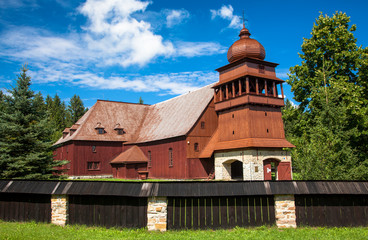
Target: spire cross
(244, 19)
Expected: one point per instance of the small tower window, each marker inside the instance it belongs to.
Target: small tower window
(196, 147)
(170, 157)
(202, 125)
(149, 159)
(261, 68)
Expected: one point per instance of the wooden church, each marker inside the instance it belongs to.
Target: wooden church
(228, 130)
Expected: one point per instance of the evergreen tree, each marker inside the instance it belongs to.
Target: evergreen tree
(330, 126)
(58, 113)
(140, 100)
(25, 144)
(48, 102)
(76, 109)
(57, 116)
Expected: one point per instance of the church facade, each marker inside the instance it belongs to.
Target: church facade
(228, 130)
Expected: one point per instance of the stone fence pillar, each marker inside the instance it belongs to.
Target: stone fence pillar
(59, 209)
(157, 214)
(285, 211)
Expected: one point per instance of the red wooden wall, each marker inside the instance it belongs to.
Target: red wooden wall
(160, 158)
(80, 152)
(200, 168)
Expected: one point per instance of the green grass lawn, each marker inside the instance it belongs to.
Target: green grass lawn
(38, 231)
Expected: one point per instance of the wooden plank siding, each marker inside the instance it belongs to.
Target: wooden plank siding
(220, 212)
(332, 210)
(104, 153)
(201, 134)
(78, 153)
(160, 158)
(250, 122)
(25, 207)
(108, 211)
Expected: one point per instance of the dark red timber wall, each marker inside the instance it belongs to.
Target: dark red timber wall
(80, 153)
(65, 152)
(159, 167)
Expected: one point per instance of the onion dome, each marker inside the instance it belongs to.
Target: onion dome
(245, 47)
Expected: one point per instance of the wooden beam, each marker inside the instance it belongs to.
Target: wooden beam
(221, 96)
(274, 89)
(233, 87)
(227, 92)
(282, 90)
(247, 85)
(257, 89)
(240, 87)
(265, 87)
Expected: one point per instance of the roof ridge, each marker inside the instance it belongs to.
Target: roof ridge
(139, 129)
(101, 100)
(185, 94)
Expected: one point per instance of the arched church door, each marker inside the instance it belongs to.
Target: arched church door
(270, 169)
(237, 170)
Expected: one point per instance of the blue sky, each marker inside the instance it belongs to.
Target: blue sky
(123, 49)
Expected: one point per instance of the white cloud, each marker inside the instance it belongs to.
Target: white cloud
(175, 17)
(167, 83)
(283, 73)
(227, 13)
(112, 36)
(122, 39)
(192, 49)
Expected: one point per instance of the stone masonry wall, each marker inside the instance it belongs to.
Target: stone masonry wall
(157, 214)
(285, 211)
(59, 209)
(252, 162)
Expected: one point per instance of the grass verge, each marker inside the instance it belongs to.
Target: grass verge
(40, 231)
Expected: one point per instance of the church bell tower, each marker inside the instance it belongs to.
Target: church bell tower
(248, 100)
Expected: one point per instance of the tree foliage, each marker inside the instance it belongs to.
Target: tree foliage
(75, 110)
(330, 126)
(25, 144)
(140, 101)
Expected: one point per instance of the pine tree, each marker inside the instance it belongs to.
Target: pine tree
(330, 126)
(140, 100)
(25, 144)
(76, 109)
(57, 115)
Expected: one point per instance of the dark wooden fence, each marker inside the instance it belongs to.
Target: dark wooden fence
(220, 212)
(108, 211)
(190, 204)
(25, 207)
(332, 210)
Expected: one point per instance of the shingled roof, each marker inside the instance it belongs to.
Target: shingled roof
(141, 123)
(132, 155)
(108, 114)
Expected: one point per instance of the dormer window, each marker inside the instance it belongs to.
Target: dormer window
(72, 131)
(65, 132)
(99, 128)
(119, 130)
